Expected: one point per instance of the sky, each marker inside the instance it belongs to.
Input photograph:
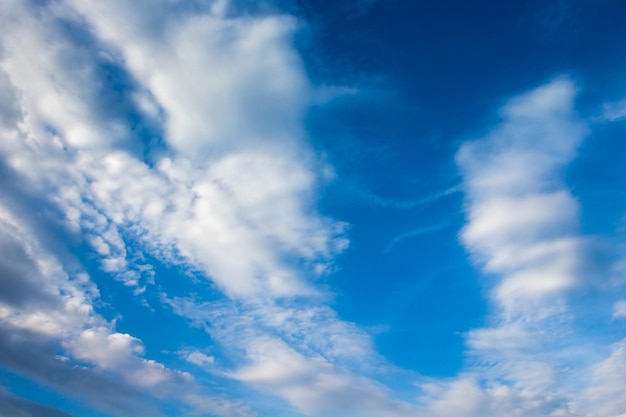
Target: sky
(312, 208)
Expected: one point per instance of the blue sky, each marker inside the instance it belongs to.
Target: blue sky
(383, 208)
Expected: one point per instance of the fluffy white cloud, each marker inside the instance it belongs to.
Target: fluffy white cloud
(243, 185)
(220, 81)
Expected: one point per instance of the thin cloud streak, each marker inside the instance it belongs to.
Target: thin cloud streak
(413, 233)
(409, 204)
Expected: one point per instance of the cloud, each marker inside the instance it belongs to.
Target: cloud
(35, 355)
(52, 334)
(13, 406)
(203, 404)
(467, 396)
(614, 111)
(608, 380)
(164, 131)
(177, 135)
(20, 279)
(534, 357)
(409, 204)
(412, 233)
(619, 309)
(315, 330)
(198, 358)
(207, 80)
(522, 221)
(247, 189)
(313, 385)
(301, 353)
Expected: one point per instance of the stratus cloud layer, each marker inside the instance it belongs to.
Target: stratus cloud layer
(174, 132)
(534, 359)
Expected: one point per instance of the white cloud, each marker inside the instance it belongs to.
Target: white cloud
(608, 377)
(467, 396)
(203, 404)
(227, 190)
(314, 330)
(522, 222)
(614, 111)
(245, 184)
(54, 307)
(14, 406)
(120, 353)
(198, 358)
(534, 357)
(301, 353)
(619, 309)
(209, 72)
(313, 385)
(413, 233)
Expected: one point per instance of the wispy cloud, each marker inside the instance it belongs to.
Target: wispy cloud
(614, 111)
(408, 204)
(413, 233)
(301, 353)
(619, 309)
